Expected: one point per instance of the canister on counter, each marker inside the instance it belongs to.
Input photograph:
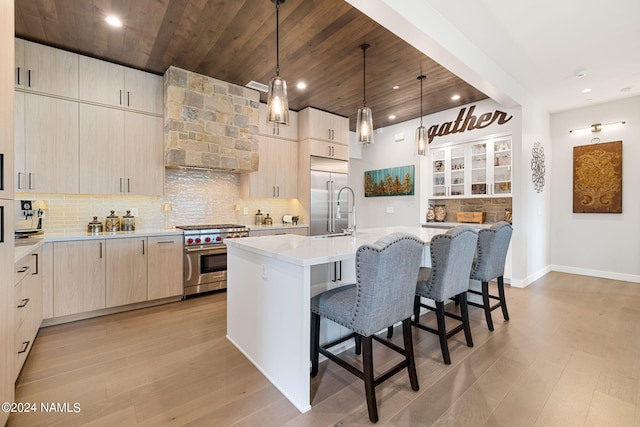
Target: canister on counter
(259, 218)
(112, 223)
(128, 222)
(268, 220)
(95, 226)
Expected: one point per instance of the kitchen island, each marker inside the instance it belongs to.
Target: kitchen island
(271, 280)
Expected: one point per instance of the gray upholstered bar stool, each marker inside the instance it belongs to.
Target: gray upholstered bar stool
(386, 274)
(451, 258)
(491, 254)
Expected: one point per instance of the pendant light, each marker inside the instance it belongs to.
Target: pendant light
(277, 102)
(364, 124)
(421, 132)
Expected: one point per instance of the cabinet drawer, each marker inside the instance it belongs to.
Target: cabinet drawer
(22, 302)
(23, 268)
(22, 345)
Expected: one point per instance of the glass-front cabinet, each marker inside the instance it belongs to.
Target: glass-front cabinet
(474, 169)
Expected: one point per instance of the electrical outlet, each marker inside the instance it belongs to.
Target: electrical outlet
(389, 209)
(245, 211)
(134, 211)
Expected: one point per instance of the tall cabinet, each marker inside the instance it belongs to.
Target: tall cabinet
(7, 252)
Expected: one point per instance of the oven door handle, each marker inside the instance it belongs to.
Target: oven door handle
(190, 269)
(213, 250)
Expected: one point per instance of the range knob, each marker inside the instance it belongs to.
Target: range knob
(218, 238)
(189, 240)
(198, 240)
(207, 239)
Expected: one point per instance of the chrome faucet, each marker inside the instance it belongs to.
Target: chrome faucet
(352, 230)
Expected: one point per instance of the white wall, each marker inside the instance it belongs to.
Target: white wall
(601, 245)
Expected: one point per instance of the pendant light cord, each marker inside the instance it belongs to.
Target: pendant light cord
(364, 48)
(421, 78)
(277, 37)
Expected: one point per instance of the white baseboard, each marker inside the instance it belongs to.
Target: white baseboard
(523, 283)
(597, 273)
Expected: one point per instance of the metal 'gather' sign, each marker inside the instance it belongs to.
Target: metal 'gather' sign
(537, 166)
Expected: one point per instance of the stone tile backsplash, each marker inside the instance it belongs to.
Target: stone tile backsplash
(197, 197)
(494, 207)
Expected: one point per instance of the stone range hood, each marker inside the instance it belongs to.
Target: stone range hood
(209, 123)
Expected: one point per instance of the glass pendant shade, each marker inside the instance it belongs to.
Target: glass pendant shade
(364, 126)
(421, 141)
(277, 102)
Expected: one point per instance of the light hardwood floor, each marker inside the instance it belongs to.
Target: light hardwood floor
(569, 356)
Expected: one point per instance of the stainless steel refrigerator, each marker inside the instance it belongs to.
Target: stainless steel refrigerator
(328, 176)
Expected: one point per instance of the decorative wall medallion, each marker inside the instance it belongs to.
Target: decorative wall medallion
(537, 166)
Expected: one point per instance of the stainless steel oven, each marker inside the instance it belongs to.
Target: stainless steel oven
(205, 258)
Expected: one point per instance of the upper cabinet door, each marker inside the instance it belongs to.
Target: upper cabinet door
(316, 124)
(46, 70)
(143, 154)
(111, 84)
(101, 82)
(143, 91)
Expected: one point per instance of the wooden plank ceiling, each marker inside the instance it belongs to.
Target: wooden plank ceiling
(234, 41)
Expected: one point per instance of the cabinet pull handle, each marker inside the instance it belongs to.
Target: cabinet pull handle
(24, 303)
(37, 262)
(121, 179)
(25, 346)
(23, 269)
(340, 270)
(143, 247)
(19, 180)
(30, 181)
(100, 249)
(29, 78)
(128, 99)
(128, 185)
(1, 224)
(2, 171)
(274, 191)
(166, 242)
(120, 96)
(335, 273)
(18, 76)
(278, 191)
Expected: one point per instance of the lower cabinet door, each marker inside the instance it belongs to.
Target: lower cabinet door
(78, 276)
(165, 266)
(126, 277)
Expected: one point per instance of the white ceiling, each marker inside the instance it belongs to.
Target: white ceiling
(541, 45)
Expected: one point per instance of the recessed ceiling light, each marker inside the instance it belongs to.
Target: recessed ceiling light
(587, 90)
(392, 117)
(455, 97)
(301, 85)
(396, 87)
(114, 21)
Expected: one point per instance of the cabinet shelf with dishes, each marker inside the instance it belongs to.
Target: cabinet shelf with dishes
(488, 171)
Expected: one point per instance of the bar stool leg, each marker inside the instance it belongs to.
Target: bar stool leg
(464, 313)
(442, 332)
(315, 343)
(369, 386)
(503, 300)
(487, 305)
(408, 349)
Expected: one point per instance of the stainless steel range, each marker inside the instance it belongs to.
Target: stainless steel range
(205, 255)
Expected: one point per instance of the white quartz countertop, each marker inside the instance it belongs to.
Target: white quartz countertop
(313, 250)
(453, 224)
(25, 246)
(279, 225)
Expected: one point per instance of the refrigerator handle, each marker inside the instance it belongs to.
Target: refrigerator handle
(329, 207)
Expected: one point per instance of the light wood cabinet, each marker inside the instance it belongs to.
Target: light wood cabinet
(277, 174)
(165, 263)
(126, 271)
(7, 289)
(317, 124)
(45, 69)
(90, 275)
(120, 152)
(269, 129)
(327, 149)
(28, 306)
(46, 144)
(106, 83)
(78, 276)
